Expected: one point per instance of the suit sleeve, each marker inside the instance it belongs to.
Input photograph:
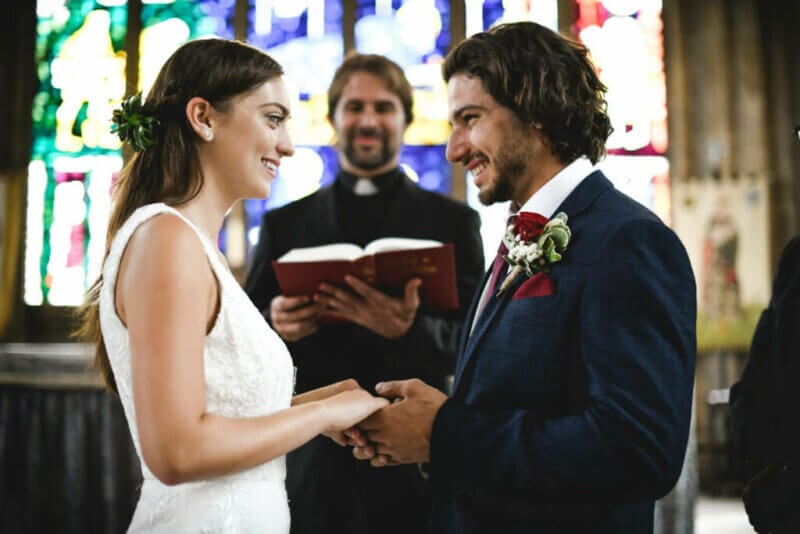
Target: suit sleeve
(261, 285)
(636, 318)
(429, 348)
(773, 347)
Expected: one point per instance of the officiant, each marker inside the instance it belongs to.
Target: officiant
(376, 336)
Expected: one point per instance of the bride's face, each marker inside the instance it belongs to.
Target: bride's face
(248, 141)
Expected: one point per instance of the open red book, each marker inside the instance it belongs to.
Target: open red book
(386, 263)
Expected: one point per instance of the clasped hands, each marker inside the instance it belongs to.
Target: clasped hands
(400, 432)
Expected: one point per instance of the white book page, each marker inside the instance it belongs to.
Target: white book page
(388, 244)
(335, 251)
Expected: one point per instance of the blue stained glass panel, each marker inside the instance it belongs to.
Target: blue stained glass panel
(414, 32)
(209, 17)
(270, 26)
(493, 10)
(306, 39)
(430, 165)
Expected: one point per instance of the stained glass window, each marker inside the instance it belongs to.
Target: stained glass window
(626, 42)
(82, 71)
(168, 24)
(483, 14)
(75, 158)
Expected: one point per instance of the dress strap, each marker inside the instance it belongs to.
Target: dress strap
(148, 211)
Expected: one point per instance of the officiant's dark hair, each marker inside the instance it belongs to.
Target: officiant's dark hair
(547, 80)
(168, 170)
(380, 67)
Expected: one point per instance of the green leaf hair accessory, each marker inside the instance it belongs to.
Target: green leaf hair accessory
(133, 124)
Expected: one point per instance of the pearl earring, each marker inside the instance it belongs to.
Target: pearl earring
(208, 135)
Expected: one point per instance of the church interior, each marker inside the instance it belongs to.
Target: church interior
(704, 98)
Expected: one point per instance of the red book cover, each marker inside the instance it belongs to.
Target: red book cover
(387, 271)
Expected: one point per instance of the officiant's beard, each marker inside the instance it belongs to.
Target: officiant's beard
(510, 167)
(371, 161)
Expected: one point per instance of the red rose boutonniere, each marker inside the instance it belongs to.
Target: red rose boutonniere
(534, 244)
(529, 226)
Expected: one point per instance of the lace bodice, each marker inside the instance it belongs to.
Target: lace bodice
(248, 372)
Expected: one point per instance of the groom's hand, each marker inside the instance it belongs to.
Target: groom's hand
(366, 306)
(401, 432)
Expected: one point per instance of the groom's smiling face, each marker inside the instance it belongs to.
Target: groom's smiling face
(491, 142)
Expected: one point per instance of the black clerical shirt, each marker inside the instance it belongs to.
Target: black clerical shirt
(362, 216)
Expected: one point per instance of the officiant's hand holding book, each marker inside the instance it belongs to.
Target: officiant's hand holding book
(386, 263)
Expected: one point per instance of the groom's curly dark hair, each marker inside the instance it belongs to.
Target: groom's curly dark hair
(545, 79)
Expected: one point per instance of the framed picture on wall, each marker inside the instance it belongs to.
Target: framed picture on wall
(724, 225)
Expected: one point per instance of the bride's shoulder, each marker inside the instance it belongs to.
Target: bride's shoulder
(166, 236)
(165, 250)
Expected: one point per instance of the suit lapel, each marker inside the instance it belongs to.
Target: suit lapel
(576, 203)
(487, 317)
(467, 327)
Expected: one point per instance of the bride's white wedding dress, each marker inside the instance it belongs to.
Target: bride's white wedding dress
(248, 372)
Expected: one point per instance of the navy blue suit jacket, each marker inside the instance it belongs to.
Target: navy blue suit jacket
(570, 412)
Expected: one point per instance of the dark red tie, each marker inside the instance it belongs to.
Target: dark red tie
(498, 267)
(498, 270)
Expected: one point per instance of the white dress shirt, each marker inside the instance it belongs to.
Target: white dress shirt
(548, 198)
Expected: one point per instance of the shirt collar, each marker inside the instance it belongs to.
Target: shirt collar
(369, 186)
(549, 197)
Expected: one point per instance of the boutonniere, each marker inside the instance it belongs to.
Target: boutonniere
(534, 244)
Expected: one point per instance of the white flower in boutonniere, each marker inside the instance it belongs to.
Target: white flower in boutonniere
(534, 244)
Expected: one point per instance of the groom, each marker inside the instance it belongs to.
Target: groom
(571, 403)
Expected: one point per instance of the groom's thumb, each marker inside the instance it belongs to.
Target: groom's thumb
(389, 390)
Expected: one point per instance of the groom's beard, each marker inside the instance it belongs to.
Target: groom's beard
(510, 166)
(372, 159)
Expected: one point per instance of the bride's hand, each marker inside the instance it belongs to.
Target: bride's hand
(345, 410)
(325, 391)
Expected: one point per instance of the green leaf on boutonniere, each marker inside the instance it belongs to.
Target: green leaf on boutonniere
(532, 257)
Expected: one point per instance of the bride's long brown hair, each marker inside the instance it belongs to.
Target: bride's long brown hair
(169, 170)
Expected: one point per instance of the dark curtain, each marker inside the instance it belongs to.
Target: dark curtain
(18, 83)
(67, 464)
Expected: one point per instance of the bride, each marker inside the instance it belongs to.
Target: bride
(206, 385)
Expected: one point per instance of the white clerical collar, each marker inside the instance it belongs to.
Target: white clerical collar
(547, 199)
(369, 186)
(365, 188)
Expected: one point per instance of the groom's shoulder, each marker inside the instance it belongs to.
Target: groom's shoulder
(614, 209)
(616, 220)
